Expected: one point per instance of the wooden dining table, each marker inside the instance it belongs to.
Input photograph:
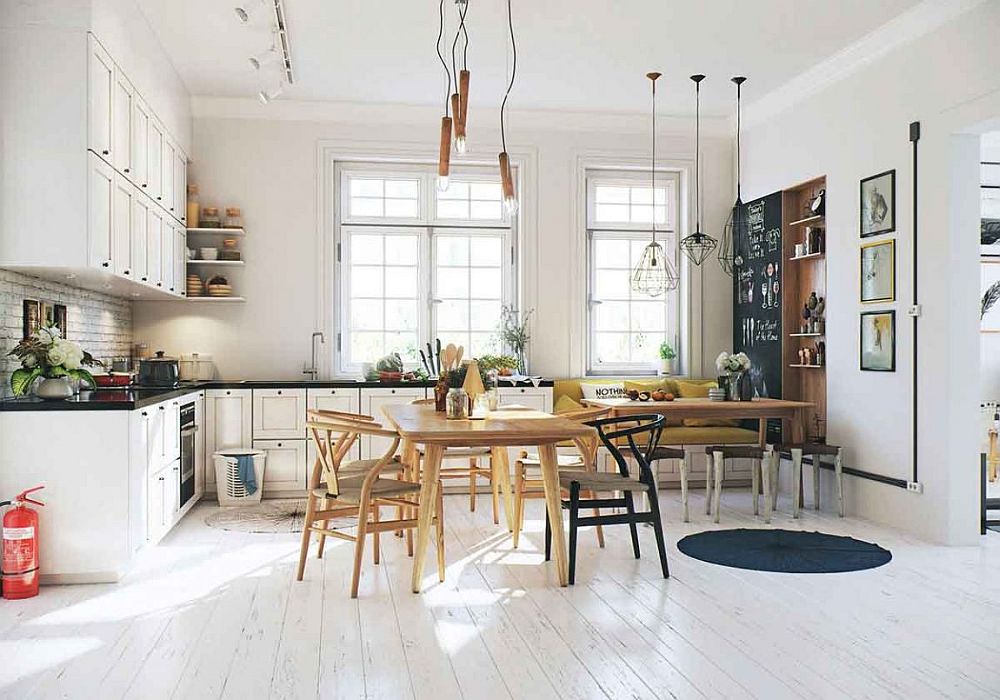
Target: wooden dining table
(508, 426)
(791, 413)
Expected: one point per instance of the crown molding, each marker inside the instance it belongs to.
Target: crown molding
(918, 21)
(209, 107)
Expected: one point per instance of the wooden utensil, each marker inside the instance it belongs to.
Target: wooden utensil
(450, 351)
(458, 356)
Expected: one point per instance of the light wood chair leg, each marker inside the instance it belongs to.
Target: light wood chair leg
(472, 484)
(709, 468)
(439, 529)
(518, 501)
(815, 482)
(838, 468)
(359, 545)
(774, 468)
(719, 465)
(306, 535)
(765, 480)
(685, 473)
(796, 482)
(376, 535)
(755, 484)
(322, 537)
(495, 487)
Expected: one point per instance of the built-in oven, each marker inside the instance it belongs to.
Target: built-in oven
(188, 429)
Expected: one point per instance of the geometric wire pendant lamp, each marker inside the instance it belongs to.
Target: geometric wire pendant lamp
(655, 274)
(732, 248)
(698, 246)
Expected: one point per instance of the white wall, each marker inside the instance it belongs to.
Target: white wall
(269, 167)
(857, 127)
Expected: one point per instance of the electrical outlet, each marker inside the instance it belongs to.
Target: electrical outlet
(914, 487)
(914, 311)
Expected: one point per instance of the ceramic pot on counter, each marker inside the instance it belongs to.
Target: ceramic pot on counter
(55, 389)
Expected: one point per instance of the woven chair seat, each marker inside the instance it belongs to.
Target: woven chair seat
(350, 489)
(809, 448)
(599, 481)
(363, 466)
(664, 452)
(733, 451)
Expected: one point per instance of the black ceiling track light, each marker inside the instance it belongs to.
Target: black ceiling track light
(698, 246)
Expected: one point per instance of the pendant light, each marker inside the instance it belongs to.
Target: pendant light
(654, 274)
(733, 245)
(444, 150)
(510, 204)
(698, 246)
(460, 99)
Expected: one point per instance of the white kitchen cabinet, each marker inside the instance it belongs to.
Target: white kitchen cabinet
(100, 88)
(163, 493)
(180, 186)
(335, 399)
(199, 447)
(372, 401)
(138, 480)
(139, 237)
(171, 430)
(284, 466)
(122, 211)
(167, 252)
(100, 224)
(538, 398)
(180, 260)
(168, 153)
(279, 413)
(154, 245)
(228, 423)
(140, 149)
(123, 109)
(154, 156)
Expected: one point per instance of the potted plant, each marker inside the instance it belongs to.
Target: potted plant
(514, 334)
(503, 364)
(58, 362)
(734, 377)
(667, 355)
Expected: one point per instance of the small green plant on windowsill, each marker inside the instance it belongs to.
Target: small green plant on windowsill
(667, 355)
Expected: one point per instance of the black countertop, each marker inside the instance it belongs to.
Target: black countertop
(130, 399)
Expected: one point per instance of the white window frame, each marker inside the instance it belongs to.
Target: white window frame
(428, 228)
(594, 231)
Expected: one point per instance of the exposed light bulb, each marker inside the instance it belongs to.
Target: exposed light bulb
(461, 146)
(442, 183)
(510, 206)
(245, 11)
(264, 58)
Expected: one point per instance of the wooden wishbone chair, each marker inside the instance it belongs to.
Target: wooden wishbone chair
(526, 487)
(359, 489)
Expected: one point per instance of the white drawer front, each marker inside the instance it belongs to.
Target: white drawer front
(278, 413)
(285, 465)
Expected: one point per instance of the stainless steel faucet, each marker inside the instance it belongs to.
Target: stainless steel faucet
(313, 370)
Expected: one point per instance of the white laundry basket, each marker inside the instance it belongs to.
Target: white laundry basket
(227, 477)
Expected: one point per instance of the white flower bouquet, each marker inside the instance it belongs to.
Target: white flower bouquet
(728, 364)
(45, 353)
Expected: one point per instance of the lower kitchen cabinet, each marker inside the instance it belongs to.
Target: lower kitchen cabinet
(372, 401)
(538, 398)
(162, 504)
(279, 413)
(284, 466)
(344, 400)
(228, 424)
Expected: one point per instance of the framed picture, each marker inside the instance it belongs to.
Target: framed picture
(878, 204)
(989, 224)
(989, 309)
(32, 317)
(59, 318)
(878, 341)
(878, 271)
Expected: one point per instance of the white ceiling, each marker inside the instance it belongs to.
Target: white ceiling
(581, 55)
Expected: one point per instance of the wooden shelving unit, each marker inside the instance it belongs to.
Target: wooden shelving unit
(218, 300)
(227, 232)
(801, 275)
(213, 237)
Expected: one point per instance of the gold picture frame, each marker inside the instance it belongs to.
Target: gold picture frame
(877, 267)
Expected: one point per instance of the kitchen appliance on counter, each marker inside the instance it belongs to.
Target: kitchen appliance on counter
(188, 427)
(197, 367)
(159, 371)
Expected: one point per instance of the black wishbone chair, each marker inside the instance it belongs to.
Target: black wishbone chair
(623, 481)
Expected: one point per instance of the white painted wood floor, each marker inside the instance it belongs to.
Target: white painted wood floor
(211, 614)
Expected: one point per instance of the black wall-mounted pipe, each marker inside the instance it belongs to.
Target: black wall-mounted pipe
(914, 138)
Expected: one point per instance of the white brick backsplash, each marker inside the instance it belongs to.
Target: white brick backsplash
(102, 324)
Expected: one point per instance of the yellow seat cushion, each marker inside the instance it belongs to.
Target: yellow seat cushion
(699, 390)
(713, 435)
(566, 404)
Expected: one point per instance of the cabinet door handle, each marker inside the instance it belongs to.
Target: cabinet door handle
(279, 444)
(159, 199)
(159, 284)
(105, 152)
(393, 391)
(228, 393)
(144, 279)
(105, 264)
(124, 272)
(126, 170)
(161, 408)
(144, 184)
(279, 392)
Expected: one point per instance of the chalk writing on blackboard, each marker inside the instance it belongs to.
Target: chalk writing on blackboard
(755, 216)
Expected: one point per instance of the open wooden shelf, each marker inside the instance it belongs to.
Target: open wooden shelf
(808, 366)
(218, 300)
(810, 256)
(807, 220)
(220, 263)
(806, 335)
(233, 232)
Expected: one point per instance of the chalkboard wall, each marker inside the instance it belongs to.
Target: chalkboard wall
(757, 295)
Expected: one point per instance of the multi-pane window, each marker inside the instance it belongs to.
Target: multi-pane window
(626, 328)
(417, 264)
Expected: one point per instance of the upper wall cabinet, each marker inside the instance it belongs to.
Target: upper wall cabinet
(115, 171)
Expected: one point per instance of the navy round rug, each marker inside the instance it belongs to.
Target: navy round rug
(788, 551)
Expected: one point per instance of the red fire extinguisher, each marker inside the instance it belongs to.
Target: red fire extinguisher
(20, 547)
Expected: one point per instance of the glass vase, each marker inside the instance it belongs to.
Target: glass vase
(457, 404)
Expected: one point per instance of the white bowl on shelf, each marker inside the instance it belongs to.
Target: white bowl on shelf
(209, 253)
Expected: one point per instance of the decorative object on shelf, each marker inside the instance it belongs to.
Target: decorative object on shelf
(733, 247)
(667, 356)
(514, 334)
(878, 204)
(878, 341)
(817, 205)
(444, 144)
(209, 253)
(716, 393)
(59, 362)
(441, 393)
(193, 207)
(195, 287)
(813, 240)
(698, 245)
(390, 367)
(989, 312)
(655, 273)
(878, 272)
(210, 218)
(510, 203)
(234, 218)
(31, 318)
(219, 286)
(732, 369)
(820, 353)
